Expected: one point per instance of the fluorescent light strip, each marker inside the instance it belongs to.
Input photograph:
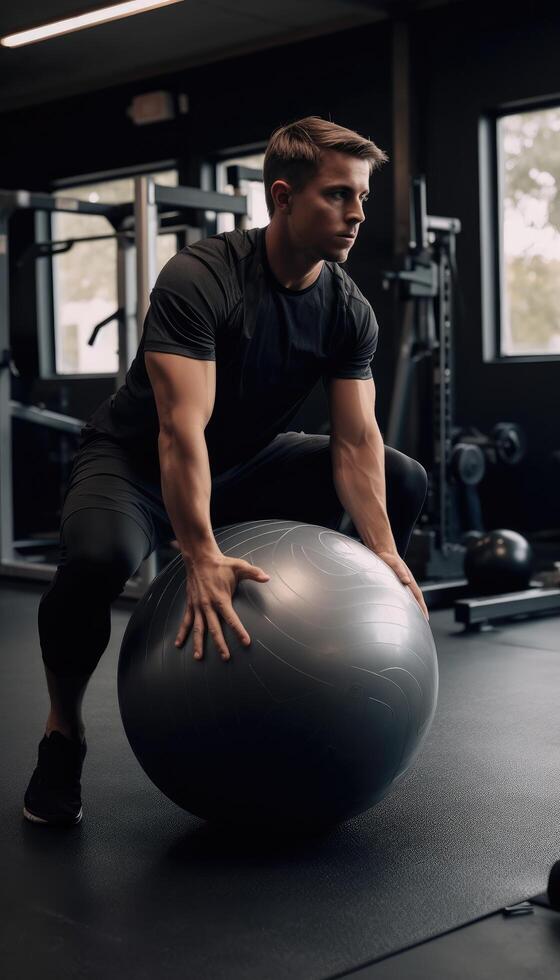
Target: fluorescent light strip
(78, 23)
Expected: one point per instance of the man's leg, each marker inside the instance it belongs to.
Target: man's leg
(100, 550)
(292, 479)
(108, 527)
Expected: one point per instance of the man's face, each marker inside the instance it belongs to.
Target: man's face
(329, 207)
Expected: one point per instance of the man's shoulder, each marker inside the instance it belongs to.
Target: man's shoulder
(212, 260)
(229, 248)
(347, 286)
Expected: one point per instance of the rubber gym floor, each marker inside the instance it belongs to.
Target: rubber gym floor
(414, 888)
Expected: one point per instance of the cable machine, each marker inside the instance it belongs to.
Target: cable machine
(423, 398)
(425, 285)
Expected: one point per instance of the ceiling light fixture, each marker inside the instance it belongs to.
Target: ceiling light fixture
(90, 19)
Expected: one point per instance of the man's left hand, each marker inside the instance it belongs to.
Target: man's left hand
(402, 571)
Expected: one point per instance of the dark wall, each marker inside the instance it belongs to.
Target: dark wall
(469, 59)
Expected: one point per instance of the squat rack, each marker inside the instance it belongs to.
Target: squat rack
(135, 225)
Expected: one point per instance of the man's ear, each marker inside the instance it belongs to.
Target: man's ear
(282, 196)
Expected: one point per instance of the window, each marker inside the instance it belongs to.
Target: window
(528, 165)
(254, 191)
(85, 279)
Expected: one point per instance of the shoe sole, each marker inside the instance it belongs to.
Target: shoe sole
(35, 819)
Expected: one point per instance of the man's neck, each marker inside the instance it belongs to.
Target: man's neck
(291, 269)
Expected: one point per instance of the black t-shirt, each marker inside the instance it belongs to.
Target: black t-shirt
(217, 300)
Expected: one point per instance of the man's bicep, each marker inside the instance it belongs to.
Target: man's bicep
(184, 389)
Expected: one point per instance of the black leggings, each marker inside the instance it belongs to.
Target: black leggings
(113, 518)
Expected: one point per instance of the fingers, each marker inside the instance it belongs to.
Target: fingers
(210, 586)
(198, 637)
(404, 575)
(417, 593)
(184, 628)
(215, 630)
(407, 579)
(232, 619)
(189, 618)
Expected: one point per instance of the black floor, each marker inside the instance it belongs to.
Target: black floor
(523, 947)
(141, 889)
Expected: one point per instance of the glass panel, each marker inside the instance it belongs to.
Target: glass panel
(85, 279)
(529, 155)
(254, 190)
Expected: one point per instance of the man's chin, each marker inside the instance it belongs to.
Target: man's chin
(337, 254)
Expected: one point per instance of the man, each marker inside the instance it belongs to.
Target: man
(240, 328)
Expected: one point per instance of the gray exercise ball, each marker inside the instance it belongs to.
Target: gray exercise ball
(314, 721)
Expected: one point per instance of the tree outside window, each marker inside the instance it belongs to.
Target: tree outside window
(529, 163)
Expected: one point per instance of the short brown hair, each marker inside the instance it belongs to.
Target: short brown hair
(294, 152)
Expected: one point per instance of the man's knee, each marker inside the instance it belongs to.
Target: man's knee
(408, 476)
(74, 615)
(102, 547)
(100, 550)
(107, 570)
(416, 481)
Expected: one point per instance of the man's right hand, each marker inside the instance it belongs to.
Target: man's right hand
(211, 584)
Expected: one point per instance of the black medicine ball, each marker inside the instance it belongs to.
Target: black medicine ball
(500, 561)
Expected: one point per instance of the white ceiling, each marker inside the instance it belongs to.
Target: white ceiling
(182, 35)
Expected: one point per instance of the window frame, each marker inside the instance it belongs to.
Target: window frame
(218, 158)
(44, 268)
(491, 233)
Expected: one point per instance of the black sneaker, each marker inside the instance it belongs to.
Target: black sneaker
(54, 792)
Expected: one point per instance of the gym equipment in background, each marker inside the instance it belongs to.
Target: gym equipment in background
(456, 459)
(499, 567)
(541, 598)
(316, 719)
(500, 561)
(472, 453)
(425, 285)
(135, 226)
(44, 441)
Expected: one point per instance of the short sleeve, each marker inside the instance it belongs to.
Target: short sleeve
(185, 306)
(354, 357)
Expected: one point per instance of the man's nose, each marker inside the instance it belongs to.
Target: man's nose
(356, 212)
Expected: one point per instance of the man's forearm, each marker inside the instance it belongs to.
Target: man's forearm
(359, 479)
(186, 486)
